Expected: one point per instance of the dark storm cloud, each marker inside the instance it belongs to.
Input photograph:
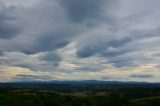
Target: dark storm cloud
(31, 76)
(52, 58)
(23, 77)
(122, 63)
(7, 27)
(80, 10)
(141, 75)
(46, 44)
(102, 48)
(7, 32)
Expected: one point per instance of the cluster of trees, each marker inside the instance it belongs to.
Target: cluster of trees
(121, 97)
(11, 98)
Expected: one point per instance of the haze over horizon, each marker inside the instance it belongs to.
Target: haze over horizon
(111, 40)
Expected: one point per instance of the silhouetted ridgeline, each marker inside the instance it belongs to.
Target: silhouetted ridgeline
(88, 85)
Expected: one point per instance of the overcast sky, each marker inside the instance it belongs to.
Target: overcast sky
(112, 40)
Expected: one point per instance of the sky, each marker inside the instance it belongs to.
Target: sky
(111, 40)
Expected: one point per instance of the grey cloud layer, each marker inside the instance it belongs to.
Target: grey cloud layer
(142, 75)
(124, 33)
(23, 77)
(130, 36)
(46, 26)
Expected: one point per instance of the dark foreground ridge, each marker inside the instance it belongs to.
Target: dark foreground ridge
(79, 93)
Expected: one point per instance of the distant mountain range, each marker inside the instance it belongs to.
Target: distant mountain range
(83, 82)
(84, 85)
(86, 82)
